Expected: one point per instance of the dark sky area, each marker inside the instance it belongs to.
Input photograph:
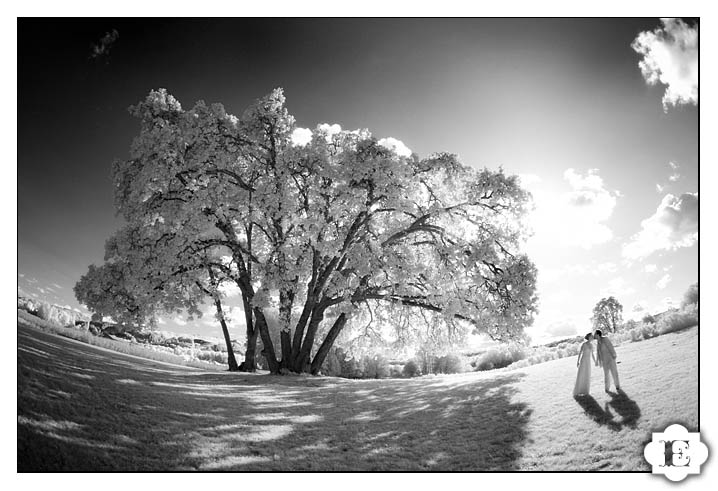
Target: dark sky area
(537, 96)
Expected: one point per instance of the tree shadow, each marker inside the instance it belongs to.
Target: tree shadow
(626, 408)
(80, 409)
(596, 413)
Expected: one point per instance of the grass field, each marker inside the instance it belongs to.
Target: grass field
(83, 408)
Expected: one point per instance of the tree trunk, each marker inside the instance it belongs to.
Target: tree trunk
(268, 351)
(250, 363)
(230, 351)
(299, 329)
(328, 343)
(301, 362)
(250, 355)
(286, 300)
(286, 341)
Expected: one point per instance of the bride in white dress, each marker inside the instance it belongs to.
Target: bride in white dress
(585, 357)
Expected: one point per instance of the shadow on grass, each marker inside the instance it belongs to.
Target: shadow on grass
(596, 412)
(626, 408)
(623, 405)
(80, 409)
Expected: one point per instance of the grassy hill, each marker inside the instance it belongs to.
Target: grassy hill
(84, 408)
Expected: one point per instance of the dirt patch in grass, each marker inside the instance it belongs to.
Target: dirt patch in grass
(83, 409)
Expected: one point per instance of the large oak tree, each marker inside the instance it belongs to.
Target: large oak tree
(321, 232)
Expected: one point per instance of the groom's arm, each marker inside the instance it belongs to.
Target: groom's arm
(611, 349)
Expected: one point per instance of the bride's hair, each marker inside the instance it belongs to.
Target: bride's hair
(587, 336)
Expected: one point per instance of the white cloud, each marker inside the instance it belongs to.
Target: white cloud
(561, 328)
(549, 275)
(617, 287)
(650, 268)
(675, 176)
(637, 312)
(232, 315)
(588, 205)
(667, 303)
(179, 321)
(674, 225)
(102, 48)
(301, 136)
(527, 180)
(607, 267)
(554, 324)
(329, 129)
(396, 145)
(229, 290)
(576, 217)
(670, 56)
(663, 282)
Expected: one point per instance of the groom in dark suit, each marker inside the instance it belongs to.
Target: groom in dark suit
(607, 359)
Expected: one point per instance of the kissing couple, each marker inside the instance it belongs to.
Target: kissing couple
(605, 357)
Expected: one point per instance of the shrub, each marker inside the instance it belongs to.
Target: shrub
(375, 367)
(144, 351)
(636, 334)
(395, 372)
(411, 369)
(450, 363)
(548, 357)
(624, 336)
(691, 296)
(573, 349)
(500, 357)
(351, 368)
(212, 356)
(332, 365)
(494, 358)
(678, 320)
(648, 331)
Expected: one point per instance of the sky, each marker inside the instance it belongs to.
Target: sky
(598, 117)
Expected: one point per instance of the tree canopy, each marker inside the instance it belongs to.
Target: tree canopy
(607, 315)
(321, 232)
(691, 296)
